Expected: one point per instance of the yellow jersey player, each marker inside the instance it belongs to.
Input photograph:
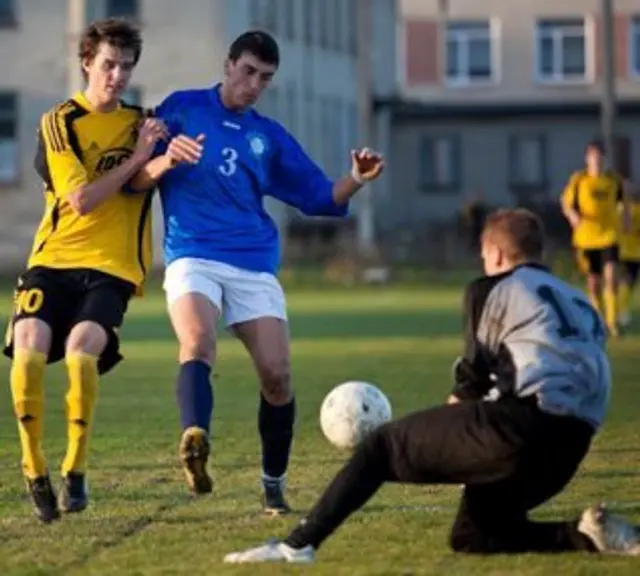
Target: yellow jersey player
(590, 203)
(630, 258)
(90, 254)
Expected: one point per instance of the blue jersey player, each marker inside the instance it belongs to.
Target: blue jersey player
(222, 251)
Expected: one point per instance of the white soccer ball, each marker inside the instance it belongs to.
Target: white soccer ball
(351, 411)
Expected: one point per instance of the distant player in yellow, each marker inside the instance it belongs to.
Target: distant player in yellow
(630, 258)
(90, 254)
(591, 203)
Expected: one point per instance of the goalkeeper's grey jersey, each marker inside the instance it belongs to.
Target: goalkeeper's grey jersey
(539, 336)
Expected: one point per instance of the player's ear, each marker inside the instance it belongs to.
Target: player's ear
(86, 65)
(227, 65)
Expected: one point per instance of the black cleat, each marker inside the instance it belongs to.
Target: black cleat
(43, 498)
(273, 501)
(73, 495)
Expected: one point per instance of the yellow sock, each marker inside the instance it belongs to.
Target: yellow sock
(624, 299)
(610, 298)
(82, 370)
(595, 302)
(27, 389)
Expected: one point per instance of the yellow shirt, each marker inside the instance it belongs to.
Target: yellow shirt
(596, 199)
(630, 241)
(78, 145)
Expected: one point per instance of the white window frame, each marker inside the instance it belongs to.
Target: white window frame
(463, 37)
(557, 78)
(12, 176)
(633, 58)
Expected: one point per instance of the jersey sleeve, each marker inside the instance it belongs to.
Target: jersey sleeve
(298, 181)
(569, 197)
(58, 159)
(169, 112)
(472, 373)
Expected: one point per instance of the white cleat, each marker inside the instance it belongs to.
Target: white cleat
(624, 320)
(272, 552)
(610, 534)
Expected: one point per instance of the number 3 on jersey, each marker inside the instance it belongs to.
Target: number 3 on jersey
(230, 161)
(569, 327)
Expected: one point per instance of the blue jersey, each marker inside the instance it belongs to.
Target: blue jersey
(214, 210)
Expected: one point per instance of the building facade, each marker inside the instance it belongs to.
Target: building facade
(314, 94)
(498, 99)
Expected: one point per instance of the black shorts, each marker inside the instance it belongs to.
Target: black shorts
(63, 298)
(592, 261)
(631, 269)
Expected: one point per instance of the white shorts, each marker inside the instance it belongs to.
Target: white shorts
(241, 295)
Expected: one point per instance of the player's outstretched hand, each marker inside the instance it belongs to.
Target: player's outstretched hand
(151, 130)
(366, 165)
(185, 150)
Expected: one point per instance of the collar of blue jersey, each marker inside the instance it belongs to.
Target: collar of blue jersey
(217, 101)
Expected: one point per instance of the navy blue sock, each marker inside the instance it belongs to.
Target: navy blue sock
(194, 394)
(275, 424)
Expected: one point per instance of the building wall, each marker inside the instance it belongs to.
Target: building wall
(485, 162)
(421, 49)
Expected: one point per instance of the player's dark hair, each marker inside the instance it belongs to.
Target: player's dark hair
(518, 232)
(116, 32)
(257, 43)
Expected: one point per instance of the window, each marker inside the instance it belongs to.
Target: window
(268, 105)
(634, 47)
(123, 8)
(527, 161)
(8, 138)
(133, 96)
(440, 162)
(327, 124)
(308, 12)
(337, 24)
(340, 148)
(469, 52)
(289, 16)
(352, 24)
(264, 14)
(7, 13)
(291, 103)
(353, 125)
(325, 24)
(561, 50)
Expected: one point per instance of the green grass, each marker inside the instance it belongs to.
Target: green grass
(142, 521)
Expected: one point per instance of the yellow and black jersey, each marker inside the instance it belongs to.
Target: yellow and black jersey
(630, 240)
(77, 145)
(596, 199)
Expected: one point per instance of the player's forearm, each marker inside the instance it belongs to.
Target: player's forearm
(151, 173)
(88, 197)
(344, 189)
(571, 214)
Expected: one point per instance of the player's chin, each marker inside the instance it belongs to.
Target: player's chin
(114, 92)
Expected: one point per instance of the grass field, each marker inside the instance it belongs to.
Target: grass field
(142, 521)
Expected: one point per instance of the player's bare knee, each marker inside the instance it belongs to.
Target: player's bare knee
(275, 382)
(198, 343)
(32, 334)
(87, 338)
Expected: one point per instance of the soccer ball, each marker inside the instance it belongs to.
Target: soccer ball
(351, 411)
